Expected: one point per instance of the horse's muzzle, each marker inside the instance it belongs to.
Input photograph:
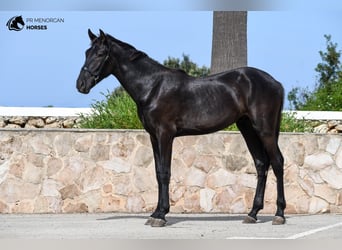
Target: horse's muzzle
(82, 87)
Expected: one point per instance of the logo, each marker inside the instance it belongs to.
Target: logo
(16, 23)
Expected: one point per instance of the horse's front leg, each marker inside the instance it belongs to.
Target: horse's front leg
(162, 150)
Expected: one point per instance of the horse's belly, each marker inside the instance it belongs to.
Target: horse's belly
(208, 118)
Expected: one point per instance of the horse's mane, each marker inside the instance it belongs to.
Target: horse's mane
(121, 43)
(136, 54)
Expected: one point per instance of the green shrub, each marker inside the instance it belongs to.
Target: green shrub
(327, 94)
(117, 111)
(289, 123)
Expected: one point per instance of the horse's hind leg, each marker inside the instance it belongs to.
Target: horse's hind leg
(277, 163)
(262, 164)
(268, 132)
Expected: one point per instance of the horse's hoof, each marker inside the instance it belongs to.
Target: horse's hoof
(155, 222)
(249, 220)
(278, 220)
(158, 222)
(149, 221)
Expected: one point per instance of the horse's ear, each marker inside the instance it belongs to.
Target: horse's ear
(102, 34)
(103, 37)
(91, 35)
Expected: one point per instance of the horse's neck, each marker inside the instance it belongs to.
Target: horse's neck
(139, 77)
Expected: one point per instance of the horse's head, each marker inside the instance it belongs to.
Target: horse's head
(96, 66)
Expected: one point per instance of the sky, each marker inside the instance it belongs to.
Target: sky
(40, 67)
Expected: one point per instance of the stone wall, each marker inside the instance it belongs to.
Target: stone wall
(67, 171)
(38, 121)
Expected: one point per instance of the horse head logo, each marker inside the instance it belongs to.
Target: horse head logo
(16, 23)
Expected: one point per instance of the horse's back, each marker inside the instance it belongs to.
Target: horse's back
(255, 85)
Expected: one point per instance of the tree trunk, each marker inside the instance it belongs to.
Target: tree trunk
(229, 47)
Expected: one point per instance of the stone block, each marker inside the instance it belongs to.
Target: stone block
(122, 185)
(53, 165)
(195, 177)
(112, 204)
(221, 178)
(70, 191)
(179, 171)
(206, 199)
(296, 153)
(50, 188)
(321, 129)
(12, 126)
(333, 177)
(51, 119)
(32, 174)
(306, 185)
(92, 179)
(22, 207)
(176, 193)
(192, 201)
(99, 153)
(107, 188)
(143, 180)
(223, 199)
(69, 123)
(205, 163)
(63, 143)
(75, 207)
(238, 206)
(3, 123)
(235, 162)
(4, 169)
(318, 205)
(339, 158)
(41, 144)
(319, 161)
(326, 193)
(4, 208)
(247, 180)
(12, 190)
(187, 155)
(18, 120)
(83, 143)
(333, 145)
(124, 147)
(117, 165)
(143, 157)
(135, 204)
(35, 122)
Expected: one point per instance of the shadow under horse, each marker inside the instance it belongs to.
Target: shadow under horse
(171, 103)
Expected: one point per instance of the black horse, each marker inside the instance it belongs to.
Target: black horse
(171, 103)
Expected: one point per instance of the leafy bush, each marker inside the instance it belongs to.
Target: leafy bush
(187, 65)
(117, 111)
(327, 94)
(289, 123)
